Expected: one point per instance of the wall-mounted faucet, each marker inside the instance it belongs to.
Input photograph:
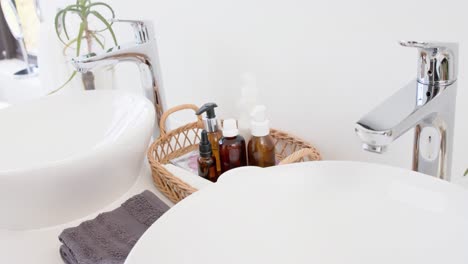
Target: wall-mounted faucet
(427, 104)
(143, 52)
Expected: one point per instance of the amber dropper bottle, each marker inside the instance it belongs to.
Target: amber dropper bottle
(212, 127)
(206, 161)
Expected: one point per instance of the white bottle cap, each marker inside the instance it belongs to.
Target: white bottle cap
(260, 125)
(230, 128)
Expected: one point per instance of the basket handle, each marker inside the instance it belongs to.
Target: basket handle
(166, 114)
(298, 155)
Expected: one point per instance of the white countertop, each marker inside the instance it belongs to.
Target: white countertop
(41, 246)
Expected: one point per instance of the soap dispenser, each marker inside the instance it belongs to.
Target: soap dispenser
(212, 128)
(206, 161)
(232, 147)
(261, 147)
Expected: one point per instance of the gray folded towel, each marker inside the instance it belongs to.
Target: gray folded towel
(109, 237)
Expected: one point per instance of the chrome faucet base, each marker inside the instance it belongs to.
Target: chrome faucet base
(426, 104)
(433, 137)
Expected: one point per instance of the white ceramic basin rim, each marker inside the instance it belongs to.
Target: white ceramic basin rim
(63, 157)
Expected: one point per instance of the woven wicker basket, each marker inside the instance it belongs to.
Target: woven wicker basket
(185, 139)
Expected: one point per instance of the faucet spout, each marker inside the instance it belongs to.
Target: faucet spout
(91, 61)
(391, 119)
(427, 108)
(426, 104)
(143, 53)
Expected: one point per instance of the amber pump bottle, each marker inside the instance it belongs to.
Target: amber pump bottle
(232, 147)
(213, 130)
(261, 147)
(206, 161)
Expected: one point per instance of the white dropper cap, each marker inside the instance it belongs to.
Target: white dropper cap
(230, 128)
(260, 125)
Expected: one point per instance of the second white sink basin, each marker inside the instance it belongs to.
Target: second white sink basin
(316, 212)
(63, 157)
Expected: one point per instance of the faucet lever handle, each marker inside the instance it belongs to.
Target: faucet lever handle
(437, 63)
(143, 29)
(428, 45)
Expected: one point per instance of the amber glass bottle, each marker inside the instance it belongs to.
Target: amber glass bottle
(206, 161)
(232, 149)
(212, 126)
(261, 151)
(214, 138)
(261, 148)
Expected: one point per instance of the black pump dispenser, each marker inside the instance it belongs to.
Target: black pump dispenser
(210, 121)
(205, 145)
(212, 126)
(209, 108)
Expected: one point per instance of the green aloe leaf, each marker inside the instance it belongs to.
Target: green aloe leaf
(88, 8)
(68, 45)
(113, 34)
(57, 27)
(88, 11)
(79, 38)
(75, 9)
(64, 15)
(65, 84)
(60, 16)
(82, 8)
(466, 172)
(105, 22)
(96, 37)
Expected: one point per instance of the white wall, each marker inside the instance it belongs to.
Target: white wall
(320, 64)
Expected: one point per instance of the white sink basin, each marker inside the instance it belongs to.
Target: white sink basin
(63, 157)
(317, 212)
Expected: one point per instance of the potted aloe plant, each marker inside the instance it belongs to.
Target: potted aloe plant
(82, 27)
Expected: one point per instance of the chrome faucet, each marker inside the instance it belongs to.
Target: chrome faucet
(143, 52)
(427, 104)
